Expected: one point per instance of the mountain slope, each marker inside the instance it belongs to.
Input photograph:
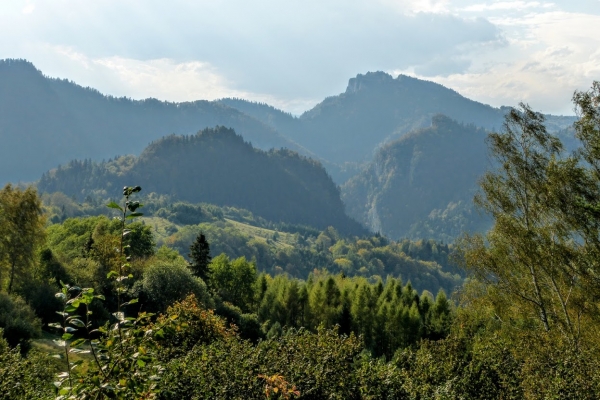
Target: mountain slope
(376, 108)
(422, 185)
(45, 122)
(216, 166)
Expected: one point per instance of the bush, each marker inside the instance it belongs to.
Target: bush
(320, 365)
(18, 321)
(166, 282)
(24, 378)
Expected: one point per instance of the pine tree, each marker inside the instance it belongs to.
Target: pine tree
(200, 257)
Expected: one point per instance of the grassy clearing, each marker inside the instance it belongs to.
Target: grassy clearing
(47, 345)
(161, 228)
(280, 239)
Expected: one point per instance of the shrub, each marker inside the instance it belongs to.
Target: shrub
(166, 282)
(319, 365)
(24, 378)
(192, 325)
(18, 321)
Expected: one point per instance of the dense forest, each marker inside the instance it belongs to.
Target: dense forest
(79, 255)
(294, 250)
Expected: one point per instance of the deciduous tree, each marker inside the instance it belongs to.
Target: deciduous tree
(21, 232)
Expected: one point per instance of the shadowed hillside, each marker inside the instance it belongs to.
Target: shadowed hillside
(216, 166)
(422, 185)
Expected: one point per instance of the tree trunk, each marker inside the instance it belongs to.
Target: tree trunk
(12, 277)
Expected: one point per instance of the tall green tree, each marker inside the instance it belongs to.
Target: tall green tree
(21, 233)
(233, 280)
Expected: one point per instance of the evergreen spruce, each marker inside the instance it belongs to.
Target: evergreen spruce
(200, 257)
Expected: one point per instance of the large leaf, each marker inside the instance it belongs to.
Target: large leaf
(114, 205)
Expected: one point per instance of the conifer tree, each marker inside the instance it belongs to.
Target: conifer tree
(200, 257)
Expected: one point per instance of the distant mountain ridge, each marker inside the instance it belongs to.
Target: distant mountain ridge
(216, 166)
(45, 122)
(376, 108)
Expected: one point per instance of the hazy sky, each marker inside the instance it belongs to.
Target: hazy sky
(293, 53)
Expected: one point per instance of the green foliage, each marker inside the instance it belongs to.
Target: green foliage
(377, 379)
(21, 233)
(185, 213)
(18, 322)
(387, 315)
(319, 365)
(529, 326)
(425, 262)
(450, 369)
(124, 355)
(166, 282)
(200, 257)
(295, 250)
(24, 378)
(125, 362)
(233, 280)
(194, 325)
(77, 237)
(536, 255)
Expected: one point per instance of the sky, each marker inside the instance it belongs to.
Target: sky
(292, 54)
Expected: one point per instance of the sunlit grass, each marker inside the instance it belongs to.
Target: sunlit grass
(46, 344)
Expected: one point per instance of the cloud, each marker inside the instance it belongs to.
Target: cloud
(441, 66)
(551, 55)
(418, 6)
(294, 53)
(28, 9)
(514, 6)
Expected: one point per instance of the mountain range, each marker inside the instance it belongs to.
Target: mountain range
(347, 130)
(45, 122)
(405, 152)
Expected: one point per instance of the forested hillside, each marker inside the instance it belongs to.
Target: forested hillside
(422, 185)
(296, 250)
(217, 166)
(45, 122)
